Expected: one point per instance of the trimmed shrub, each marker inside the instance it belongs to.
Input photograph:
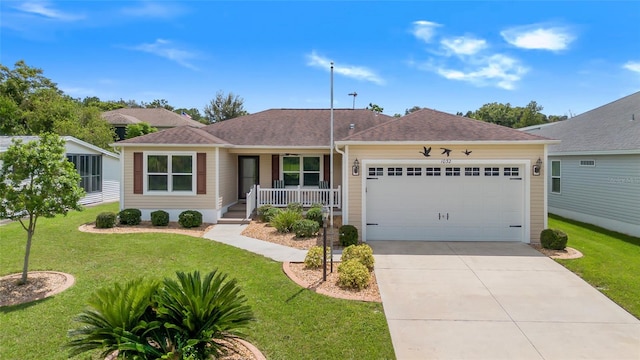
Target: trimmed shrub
(262, 212)
(270, 213)
(106, 220)
(313, 259)
(283, 221)
(305, 228)
(553, 239)
(190, 218)
(317, 206)
(315, 214)
(160, 218)
(130, 217)
(353, 275)
(295, 206)
(362, 253)
(348, 235)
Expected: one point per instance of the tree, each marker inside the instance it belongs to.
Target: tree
(193, 114)
(36, 180)
(413, 109)
(224, 107)
(159, 103)
(375, 108)
(138, 129)
(95, 101)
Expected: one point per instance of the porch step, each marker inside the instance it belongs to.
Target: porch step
(228, 220)
(238, 207)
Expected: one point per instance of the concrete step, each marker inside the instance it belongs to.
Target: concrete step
(234, 214)
(238, 207)
(233, 221)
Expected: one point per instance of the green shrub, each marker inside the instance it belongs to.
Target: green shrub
(160, 218)
(106, 220)
(295, 206)
(348, 235)
(270, 213)
(353, 275)
(283, 221)
(190, 218)
(315, 214)
(130, 216)
(362, 253)
(305, 228)
(313, 259)
(262, 212)
(553, 239)
(317, 206)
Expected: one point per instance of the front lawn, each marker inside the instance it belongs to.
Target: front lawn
(292, 323)
(611, 261)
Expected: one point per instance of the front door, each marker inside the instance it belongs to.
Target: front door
(248, 170)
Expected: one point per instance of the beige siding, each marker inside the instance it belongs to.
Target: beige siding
(479, 152)
(228, 178)
(140, 201)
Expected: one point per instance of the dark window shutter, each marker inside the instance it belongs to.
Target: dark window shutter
(201, 173)
(138, 173)
(327, 168)
(275, 168)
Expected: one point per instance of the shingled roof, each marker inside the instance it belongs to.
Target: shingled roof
(433, 125)
(156, 117)
(607, 128)
(311, 128)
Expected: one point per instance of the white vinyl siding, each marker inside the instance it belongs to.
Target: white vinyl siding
(555, 177)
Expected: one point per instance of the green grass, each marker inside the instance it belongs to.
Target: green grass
(611, 261)
(292, 323)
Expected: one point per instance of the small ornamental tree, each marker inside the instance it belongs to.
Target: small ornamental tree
(37, 180)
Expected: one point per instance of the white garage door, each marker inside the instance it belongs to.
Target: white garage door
(445, 203)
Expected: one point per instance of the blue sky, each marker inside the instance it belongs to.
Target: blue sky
(451, 56)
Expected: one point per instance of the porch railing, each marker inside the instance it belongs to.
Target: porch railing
(251, 201)
(307, 197)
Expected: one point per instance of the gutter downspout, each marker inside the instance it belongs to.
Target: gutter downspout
(345, 184)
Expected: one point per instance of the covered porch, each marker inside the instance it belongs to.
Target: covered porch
(281, 197)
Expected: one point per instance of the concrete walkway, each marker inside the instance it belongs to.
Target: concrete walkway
(469, 300)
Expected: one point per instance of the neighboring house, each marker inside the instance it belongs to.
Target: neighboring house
(428, 175)
(99, 169)
(159, 118)
(595, 170)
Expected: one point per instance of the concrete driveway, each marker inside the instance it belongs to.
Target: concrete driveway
(469, 300)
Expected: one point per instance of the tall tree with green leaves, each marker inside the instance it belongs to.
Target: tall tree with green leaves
(138, 129)
(375, 108)
(36, 180)
(224, 107)
(193, 114)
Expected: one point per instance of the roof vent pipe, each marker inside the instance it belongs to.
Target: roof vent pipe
(352, 126)
(633, 117)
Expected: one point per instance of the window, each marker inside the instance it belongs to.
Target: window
(555, 176)
(488, 171)
(452, 171)
(90, 169)
(588, 163)
(306, 168)
(170, 173)
(472, 171)
(394, 171)
(433, 171)
(511, 171)
(373, 171)
(414, 171)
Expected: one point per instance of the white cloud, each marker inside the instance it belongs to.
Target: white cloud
(463, 45)
(633, 66)
(424, 30)
(152, 9)
(165, 49)
(538, 37)
(44, 9)
(495, 70)
(355, 72)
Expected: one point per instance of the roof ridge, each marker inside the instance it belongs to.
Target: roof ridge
(607, 104)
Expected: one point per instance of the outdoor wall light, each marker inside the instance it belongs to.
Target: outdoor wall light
(537, 167)
(355, 169)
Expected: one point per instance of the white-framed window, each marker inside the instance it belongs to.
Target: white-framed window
(452, 171)
(414, 171)
(301, 170)
(511, 171)
(471, 171)
(394, 171)
(376, 171)
(170, 173)
(555, 176)
(588, 163)
(433, 171)
(90, 169)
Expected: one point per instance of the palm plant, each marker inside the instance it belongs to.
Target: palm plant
(199, 312)
(184, 319)
(118, 319)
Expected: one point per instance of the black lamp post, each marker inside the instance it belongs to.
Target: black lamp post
(325, 218)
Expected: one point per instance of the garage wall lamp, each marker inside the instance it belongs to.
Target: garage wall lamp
(355, 169)
(537, 167)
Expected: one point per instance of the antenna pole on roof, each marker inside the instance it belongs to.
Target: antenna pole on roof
(354, 94)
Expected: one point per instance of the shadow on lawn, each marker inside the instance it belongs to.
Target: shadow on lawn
(11, 308)
(597, 229)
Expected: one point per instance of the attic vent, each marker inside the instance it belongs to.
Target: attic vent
(590, 163)
(352, 126)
